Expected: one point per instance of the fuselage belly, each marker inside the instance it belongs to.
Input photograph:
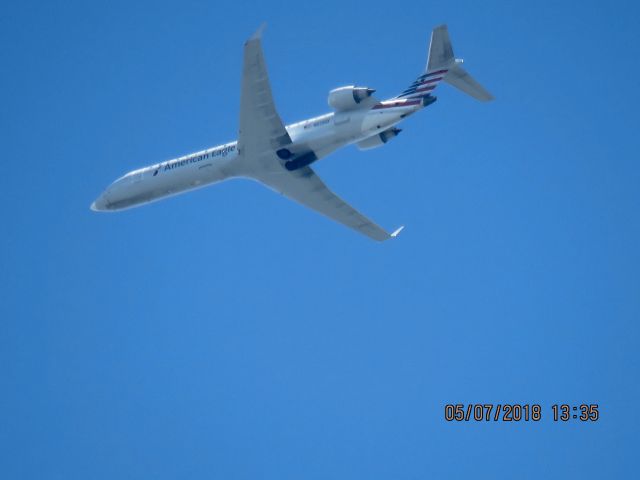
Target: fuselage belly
(322, 135)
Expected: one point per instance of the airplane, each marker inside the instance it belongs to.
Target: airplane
(280, 156)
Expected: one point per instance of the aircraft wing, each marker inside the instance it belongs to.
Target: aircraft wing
(262, 134)
(305, 187)
(261, 129)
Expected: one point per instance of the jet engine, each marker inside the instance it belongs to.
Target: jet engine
(379, 139)
(348, 98)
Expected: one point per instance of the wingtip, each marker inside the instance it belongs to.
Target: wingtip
(397, 232)
(258, 34)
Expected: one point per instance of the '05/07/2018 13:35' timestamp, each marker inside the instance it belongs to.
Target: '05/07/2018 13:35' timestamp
(519, 412)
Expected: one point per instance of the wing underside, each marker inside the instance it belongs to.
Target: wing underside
(305, 187)
(261, 129)
(262, 134)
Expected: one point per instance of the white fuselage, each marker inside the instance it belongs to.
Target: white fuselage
(322, 135)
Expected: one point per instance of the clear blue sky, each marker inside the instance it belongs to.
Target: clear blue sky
(231, 334)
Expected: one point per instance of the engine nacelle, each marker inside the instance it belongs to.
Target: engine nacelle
(348, 98)
(379, 139)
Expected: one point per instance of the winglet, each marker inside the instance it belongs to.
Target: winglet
(396, 232)
(258, 34)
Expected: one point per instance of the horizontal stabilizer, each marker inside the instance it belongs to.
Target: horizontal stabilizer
(442, 66)
(459, 78)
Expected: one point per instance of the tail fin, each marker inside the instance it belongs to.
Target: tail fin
(440, 50)
(443, 66)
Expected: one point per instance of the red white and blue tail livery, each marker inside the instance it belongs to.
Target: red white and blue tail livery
(280, 156)
(443, 66)
(424, 85)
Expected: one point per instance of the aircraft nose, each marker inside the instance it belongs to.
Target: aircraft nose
(99, 205)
